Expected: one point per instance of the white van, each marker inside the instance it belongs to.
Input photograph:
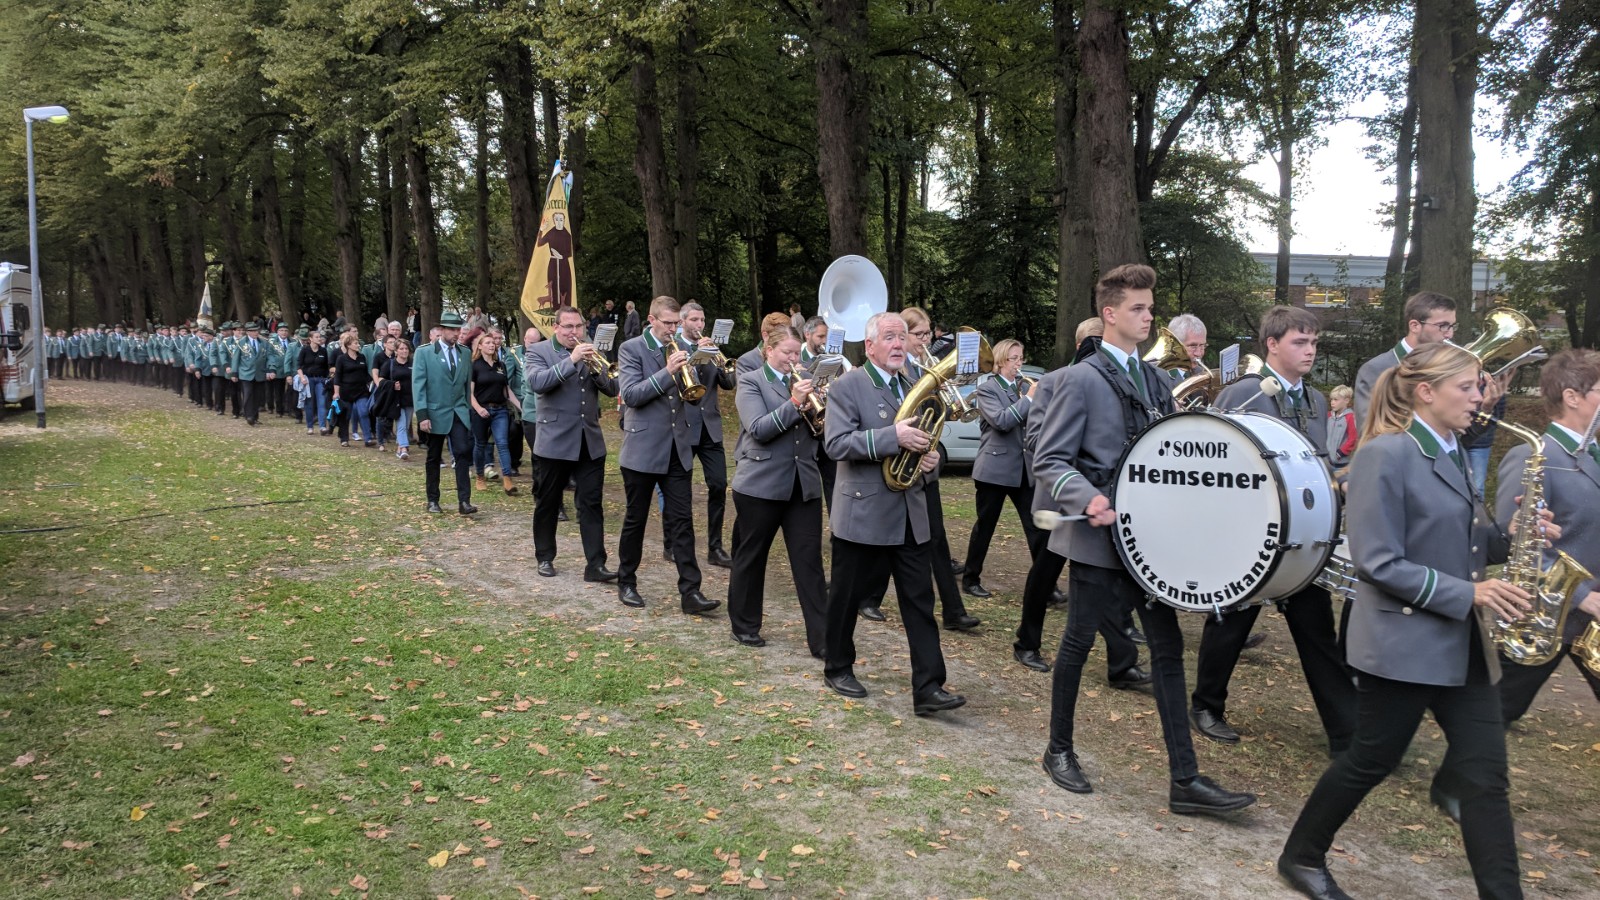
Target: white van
(17, 364)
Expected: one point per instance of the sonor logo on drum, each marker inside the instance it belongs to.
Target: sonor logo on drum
(1219, 509)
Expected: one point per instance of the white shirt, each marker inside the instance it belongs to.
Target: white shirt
(1446, 443)
(1117, 353)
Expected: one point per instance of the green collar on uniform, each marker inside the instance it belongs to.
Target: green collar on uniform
(650, 340)
(805, 354)
(1008, 385)
(772, 374)
(1427, 442)
(1563, 437)
(1401, 350)
(881, 378)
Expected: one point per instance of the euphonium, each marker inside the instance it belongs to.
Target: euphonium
(1194, 391)
(960, 409)
(927, 406)
(1508, 340)
(1536, 637)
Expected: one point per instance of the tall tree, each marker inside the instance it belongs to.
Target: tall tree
(844, 120)
(1447, 51)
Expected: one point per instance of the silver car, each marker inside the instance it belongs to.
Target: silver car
(959, 444)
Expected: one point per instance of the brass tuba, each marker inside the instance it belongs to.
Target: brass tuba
(1193, 392)
(1508, 340)
(1535, 638)
(926, 405)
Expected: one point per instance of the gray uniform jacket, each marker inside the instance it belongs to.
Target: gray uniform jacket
(749, 361)
(569, 403)
(1572, 492)
(860, 436)
(1080, 442)
(657, 424)
(707, 413)
(1005, 411)
(1310, 419)
(775, 445)
(1419, 539)
(1367, 376)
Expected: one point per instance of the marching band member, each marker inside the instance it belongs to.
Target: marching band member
(1075, 459)
(1421, 541)
(567, 442)
(1001, 471)
(1430, 318)
(919, 330)
(751, 359)
(776, 485)
(657, 451)
(1289, 336)
(1570, 385)
(816, 340)
(877, 531)
(1191, 333)
(705, 431)
(1039, 592)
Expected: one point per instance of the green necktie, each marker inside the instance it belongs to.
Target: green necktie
(1594, 452)
(1137, 376)
(1298, 395)
(1455, 457)
(894, 385)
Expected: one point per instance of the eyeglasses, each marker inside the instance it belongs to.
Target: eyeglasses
(923, 333)
(670, 323)
(1444, 327)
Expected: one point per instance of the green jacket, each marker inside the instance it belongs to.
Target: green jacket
(251, 363)
(437, 392)
(519, 383)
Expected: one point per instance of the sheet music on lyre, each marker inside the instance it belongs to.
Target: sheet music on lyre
(604, 337)
(967, 343)
(827, 368)
(721, 330)
(835, 343)
(1228, 363)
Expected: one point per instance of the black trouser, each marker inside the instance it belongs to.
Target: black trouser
(677, 522)
(236, 388)
(177, 380)
(991, 503)
(460, 448)
(198, 394)
(950, 602)
(514, 439)
(801, 522)
(1309, 615)
(1519, 684)
(1121, 652)
(1473, 769)
(1097, 596)
(221, 390)
(714, 468)
(863, 570)
(829, 469)
(251, 392)
(550, 478)
(528, 433)
(98, 366)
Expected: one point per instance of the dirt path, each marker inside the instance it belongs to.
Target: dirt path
(1119, 841)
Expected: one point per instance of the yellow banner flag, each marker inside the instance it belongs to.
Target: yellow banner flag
(551, 281)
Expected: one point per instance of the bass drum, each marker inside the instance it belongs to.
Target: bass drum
(1215, 510)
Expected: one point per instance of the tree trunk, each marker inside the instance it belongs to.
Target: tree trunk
(421, 196)
(1075, 275)
(844, 118)
(195, 239)
(344, 169)
(294, 214)
(400, 217)
(480, 172)
(1285, 216)
(686, 207)
(235, 265)
(1447, 79)
(519, 147)
(1103, 55)
(897, 258)
(552, 126)
(134, 262)
(1591, 270)
(650, 165)
(577, 160)
(283, 277)
(106, 300)
(159, 261)
(1404, 158)
(769, 292)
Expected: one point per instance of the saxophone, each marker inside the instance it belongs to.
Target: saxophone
(1536, 637)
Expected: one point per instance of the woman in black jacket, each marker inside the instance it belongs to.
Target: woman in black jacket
(396, 374)
(314, 366)
(350, 382)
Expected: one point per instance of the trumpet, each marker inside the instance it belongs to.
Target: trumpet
(599, 365)
(824, 370)
(689, 386)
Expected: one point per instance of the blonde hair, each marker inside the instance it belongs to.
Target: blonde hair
(349, 338)
(774, 321)
(914, 316)
(1094, 327)
(1004, 348)
(477, 346)
(1342, 392)
(1394, 397)
(776, 336)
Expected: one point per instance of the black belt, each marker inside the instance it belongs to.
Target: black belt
(493, 405)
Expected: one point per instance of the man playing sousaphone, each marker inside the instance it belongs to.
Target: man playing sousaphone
(879, 532)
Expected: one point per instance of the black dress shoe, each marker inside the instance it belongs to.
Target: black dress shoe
(561, 514)
(667, 555)
(749, 640)
(600, 575)
(719, 557)
(957, 567)
(696, 603)
(466, 508)
(845, 684)
(1315, 882)
(1448, 803)
(433, 507)
(1131, 678)
(937, 700)
(1255, 640)
(1057, 600)
(875, 613)
(1136, 635)
(629, 595)
(1213, 726)
(547, 569)
(1064, 770)
(975, 589)
(1031, 659)
(1202, 795)
(963, 622)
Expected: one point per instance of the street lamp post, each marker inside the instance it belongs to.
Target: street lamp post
(29, 116)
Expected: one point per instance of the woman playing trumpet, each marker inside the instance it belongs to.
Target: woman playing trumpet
(776, 485)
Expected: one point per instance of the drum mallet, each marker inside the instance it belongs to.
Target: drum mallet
(1049, 520)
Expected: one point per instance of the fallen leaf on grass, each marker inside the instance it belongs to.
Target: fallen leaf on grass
(642, 851)
(1013, 865)
(359, 882)
(802, 850)
(136, 814)
(662, 893)
(23, 760)
(438, 860)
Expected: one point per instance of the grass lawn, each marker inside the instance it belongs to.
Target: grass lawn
(242, 663)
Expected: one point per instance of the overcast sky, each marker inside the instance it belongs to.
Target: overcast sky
(1341, 191)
